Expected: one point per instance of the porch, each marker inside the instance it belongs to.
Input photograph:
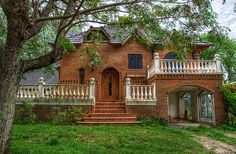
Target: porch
(191, 104)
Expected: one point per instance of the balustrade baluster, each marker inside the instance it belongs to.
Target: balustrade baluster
(190, 66)
(145, 92)
(78, 93)
(141, 92)
(74, 92)
(176, 66)
(70, 92)
(150, 92)
(184, 67)
(137, 92)
(133, 92)
(82, 92)
(169, 67)
(62, 91)
(180, 66)
(32, 92)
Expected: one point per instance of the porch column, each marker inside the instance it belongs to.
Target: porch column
(128, 88)
(41, 88)
(157, 62)
(92, 89)
(218, 63)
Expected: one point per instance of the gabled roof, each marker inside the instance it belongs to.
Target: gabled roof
(117, 36)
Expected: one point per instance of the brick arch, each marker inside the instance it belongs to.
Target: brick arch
(106, 66)
(175, 87)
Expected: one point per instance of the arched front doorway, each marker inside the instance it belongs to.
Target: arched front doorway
(110, 85)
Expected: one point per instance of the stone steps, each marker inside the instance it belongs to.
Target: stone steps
(110, 123)
(109, 113)
(109, 119)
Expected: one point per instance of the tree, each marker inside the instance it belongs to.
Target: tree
(27, 19)
(225, 47)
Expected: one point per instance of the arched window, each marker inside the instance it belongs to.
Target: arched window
(81, 75)
(170, 55)
(206, 107)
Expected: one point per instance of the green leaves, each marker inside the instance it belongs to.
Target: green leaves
(229, 92)
(225, 47)
(94, 56)
(65, 43)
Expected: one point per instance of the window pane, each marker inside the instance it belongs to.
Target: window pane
(135, 61)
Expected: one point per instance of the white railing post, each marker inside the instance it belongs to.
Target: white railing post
(91, 88)
(41, 88)
(218, 62)
(148, 74)
(154, 91)
(157, 62)
(128, 88)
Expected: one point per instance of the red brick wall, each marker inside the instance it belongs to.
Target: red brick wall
(115, 56)
(142, 110)
(112, 56)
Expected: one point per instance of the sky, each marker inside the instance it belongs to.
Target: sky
(226, 15)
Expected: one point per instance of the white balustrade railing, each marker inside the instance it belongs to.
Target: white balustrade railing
(171, 66)
(140, 92)
(28, 92)
(187, 66)
(61, 91)
(73, 91)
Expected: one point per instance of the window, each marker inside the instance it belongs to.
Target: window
(170, 55)
(110, 85)
(206, 107)
(81, 75)
(135, 61)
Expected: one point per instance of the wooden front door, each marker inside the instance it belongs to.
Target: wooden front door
(110, 85)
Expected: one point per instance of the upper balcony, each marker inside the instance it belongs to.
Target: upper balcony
(174, 66)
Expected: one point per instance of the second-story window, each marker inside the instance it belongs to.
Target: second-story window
(81, 75)
(135, 61)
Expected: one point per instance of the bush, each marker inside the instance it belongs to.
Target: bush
(229, 93)
(152, 121)
(70, 116)
(25, 113)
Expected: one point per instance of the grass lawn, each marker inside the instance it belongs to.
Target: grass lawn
(52, 139)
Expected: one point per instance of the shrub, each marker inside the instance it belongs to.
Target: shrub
(229, 93)
(152, 121)
(25, 113)
(70, 116)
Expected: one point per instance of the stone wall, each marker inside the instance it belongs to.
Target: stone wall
(45, 109)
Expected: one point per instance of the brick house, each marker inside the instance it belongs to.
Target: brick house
(133, 80)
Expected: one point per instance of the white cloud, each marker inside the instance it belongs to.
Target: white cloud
(226, 15)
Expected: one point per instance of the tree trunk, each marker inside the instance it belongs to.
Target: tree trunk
(9, 80)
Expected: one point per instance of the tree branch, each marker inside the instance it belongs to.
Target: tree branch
(42, 61)
(36, 28)
(87, 11)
